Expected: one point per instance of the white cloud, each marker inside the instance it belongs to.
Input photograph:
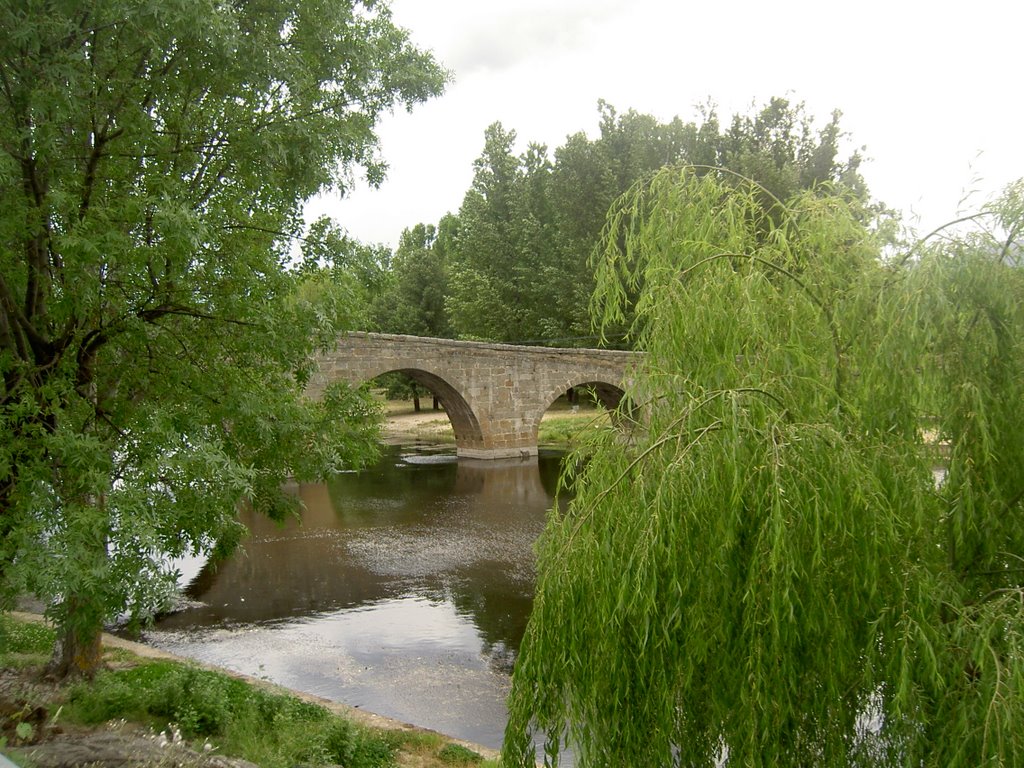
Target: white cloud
(520, 34)
(927, 86)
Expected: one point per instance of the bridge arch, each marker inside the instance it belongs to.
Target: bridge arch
(465, 423)
(608, 395)
(495, 394)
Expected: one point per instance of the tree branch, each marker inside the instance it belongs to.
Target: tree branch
(1019, 591)
(907, 256)
(1013, 502)
(815, 299)
(22, 330)
(155, 313)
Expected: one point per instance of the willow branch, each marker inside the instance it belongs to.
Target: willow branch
(1018, 591)
(1013, 502)
(815, 299)
(747, 179)
(1010, 239)
(712, 427)
(907, 256)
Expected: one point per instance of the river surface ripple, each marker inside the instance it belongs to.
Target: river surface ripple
(404, 590)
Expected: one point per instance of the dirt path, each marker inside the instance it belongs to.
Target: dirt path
(428, 422)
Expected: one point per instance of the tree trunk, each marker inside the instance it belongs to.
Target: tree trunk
(78, 652)
(415, 399)
(437, 404)
(6, 530)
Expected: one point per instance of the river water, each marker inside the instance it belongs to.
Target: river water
(404, 589)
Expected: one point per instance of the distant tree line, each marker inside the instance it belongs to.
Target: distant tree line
(514, 263)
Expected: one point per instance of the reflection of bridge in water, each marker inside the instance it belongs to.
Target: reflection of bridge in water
(498, 484)
(446, 529)
(494, 394)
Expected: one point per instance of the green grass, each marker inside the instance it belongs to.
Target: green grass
(456, 754)
(24, 643)
(564, 430)
(267, 728)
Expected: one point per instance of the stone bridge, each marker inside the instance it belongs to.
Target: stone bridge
(494, 394)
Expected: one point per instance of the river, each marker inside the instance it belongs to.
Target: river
(404, 590)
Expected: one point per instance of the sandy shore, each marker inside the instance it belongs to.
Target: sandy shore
(403, 420)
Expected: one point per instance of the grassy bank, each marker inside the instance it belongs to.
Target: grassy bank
(188, 706)
(561, 429)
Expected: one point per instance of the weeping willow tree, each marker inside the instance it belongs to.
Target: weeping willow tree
(811, 549)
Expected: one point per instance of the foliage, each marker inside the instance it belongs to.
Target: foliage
(241, 718)
(456, 754)
(767, 572)
(154, 158)
(342, 277)
(520, 268)
(567, 429)
(271, 729)
(401, 386)
(499, 260)
(415, 303)
(778, 147)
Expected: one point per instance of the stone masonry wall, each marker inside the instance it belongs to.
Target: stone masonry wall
(495, 394)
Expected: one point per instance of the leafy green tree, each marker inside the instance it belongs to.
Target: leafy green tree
(415, 300)
(772, 570)
(522, 269)
(338, 272)
(588, 176)
(497, 261)
(153, 346)
(778, 147)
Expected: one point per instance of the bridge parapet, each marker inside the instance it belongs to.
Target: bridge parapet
(494, 394)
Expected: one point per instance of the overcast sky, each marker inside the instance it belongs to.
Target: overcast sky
(933, 90)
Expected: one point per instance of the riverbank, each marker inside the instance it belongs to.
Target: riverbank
(41, 723)
(558, 427)
(416, 746)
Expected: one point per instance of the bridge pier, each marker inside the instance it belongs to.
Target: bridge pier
(494, 394)
(523, 448)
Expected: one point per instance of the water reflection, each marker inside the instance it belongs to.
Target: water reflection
(404, 589)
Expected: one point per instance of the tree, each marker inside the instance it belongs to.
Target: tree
(415, 300)
(521, 268)
(588, 176)
(497, 259)
(768, 572)
(778, 148)
(153, 344)
(344, 272)
(775, 146)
